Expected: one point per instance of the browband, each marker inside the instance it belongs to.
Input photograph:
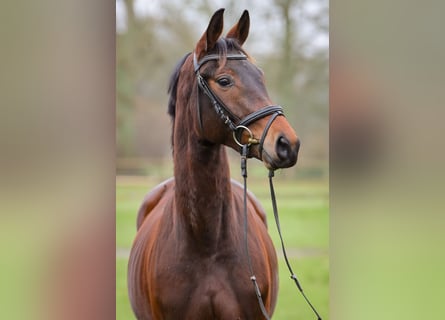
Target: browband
(231, 56)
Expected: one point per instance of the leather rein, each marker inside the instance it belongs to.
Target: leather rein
(237, 126)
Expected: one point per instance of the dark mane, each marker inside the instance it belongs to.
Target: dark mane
(222, 46)
(173, 85)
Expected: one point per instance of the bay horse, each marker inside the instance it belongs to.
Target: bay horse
(188, 260)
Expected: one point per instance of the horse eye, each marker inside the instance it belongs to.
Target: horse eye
(224, 82)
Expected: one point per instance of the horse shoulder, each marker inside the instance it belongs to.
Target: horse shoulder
(152, 199)
(251, 199)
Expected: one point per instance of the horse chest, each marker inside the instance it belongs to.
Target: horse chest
(206, 289)
(182, 280)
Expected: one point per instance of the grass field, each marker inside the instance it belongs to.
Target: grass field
(303, 208)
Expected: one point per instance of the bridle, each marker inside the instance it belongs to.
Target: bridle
(237, 126)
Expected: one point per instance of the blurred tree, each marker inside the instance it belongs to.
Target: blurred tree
(298, 76)
(132, 52)
(146, 52)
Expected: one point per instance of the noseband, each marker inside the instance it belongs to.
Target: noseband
(235, 124)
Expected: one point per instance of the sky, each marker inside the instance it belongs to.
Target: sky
(314, 39)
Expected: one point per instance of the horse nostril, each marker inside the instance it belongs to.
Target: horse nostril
(286, 151)
(283, 148)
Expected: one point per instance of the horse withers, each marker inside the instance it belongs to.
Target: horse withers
(188, 260)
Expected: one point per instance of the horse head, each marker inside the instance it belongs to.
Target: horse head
(232, 106)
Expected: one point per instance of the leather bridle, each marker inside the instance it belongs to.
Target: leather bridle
(237, 126)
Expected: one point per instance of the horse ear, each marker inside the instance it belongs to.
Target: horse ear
(211, 35)
(240, 31)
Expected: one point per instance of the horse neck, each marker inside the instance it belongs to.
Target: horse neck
(202, 192)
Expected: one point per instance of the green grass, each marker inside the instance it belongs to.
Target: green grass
(304, 218)
(128, 200)
(123, 308)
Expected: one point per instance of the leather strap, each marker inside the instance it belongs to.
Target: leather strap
(263, 112)
(244, 154)
(277, 222)
(230, 56)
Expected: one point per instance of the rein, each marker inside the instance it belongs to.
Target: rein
(237, 127)
(244, 152)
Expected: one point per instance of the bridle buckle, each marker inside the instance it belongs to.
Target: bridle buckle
(251, 140)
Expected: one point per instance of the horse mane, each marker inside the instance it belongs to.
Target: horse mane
(222, 46)
(173, 85)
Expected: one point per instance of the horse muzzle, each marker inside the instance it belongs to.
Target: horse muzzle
(281, 146)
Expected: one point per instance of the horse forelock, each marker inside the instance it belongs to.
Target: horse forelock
(224, 46)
